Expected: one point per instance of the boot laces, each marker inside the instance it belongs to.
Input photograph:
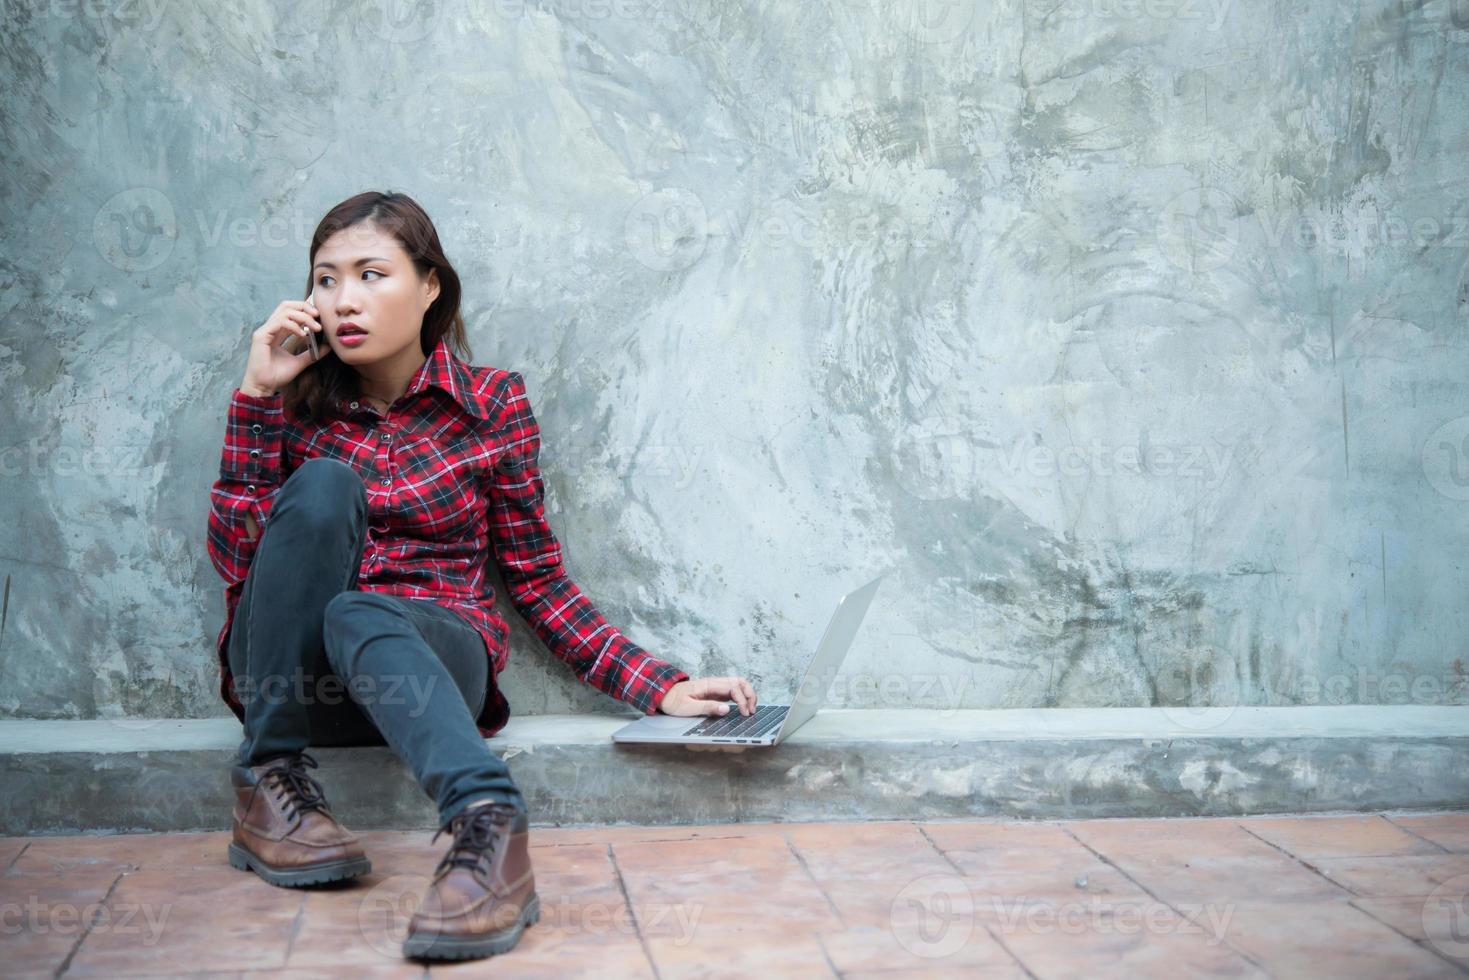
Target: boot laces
(474, 835)
(296, 786)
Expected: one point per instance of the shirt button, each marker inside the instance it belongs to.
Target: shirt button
(387, 480)
(254, 454)
(354, 405)
(384, 436)
(250, 488)
(257, 428)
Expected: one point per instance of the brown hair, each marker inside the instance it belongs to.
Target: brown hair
(311, 394)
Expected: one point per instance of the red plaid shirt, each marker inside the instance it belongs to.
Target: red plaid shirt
(453, 476)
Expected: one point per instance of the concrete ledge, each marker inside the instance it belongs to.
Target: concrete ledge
(131, 775)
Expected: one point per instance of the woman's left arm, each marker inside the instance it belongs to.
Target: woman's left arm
(536, 580)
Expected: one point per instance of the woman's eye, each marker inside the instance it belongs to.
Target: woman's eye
(326, 280)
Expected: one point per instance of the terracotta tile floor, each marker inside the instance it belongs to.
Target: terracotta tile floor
(1373, 895)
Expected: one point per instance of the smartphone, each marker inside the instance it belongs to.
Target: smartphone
(311, 334)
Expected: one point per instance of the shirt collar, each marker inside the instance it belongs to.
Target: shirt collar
(452, 376)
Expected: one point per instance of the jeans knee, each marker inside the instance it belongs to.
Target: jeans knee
(321, 491)
(341, 609)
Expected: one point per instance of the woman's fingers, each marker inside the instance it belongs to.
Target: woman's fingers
(739, 691)
(735, 689)
(743, 695)
(277, 329)
(301, 321)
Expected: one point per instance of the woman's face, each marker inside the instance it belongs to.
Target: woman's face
(365, 279)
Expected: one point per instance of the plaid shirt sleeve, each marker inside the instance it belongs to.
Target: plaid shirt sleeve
(251, 469)
(537, 582)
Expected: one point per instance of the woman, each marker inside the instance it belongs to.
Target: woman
(366, 479)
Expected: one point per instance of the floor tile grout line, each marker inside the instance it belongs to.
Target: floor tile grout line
(1243, 954)
(1423, 943)
(941, 852)
(15, 860)
(76, 947)
(650, 840)
(295, 931)
(1000, 941)
(801, 860)
(1426, 944)
(1410, 830)
(1362, 854)
(633, 913)
(826, 955)
(985, 925)
(1301, 861)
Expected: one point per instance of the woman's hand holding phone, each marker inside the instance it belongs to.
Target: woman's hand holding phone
(271, 365)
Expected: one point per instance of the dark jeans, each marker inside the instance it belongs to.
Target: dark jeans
(318, 663)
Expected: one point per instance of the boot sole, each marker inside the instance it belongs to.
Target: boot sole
(314, 874)
(466, 947)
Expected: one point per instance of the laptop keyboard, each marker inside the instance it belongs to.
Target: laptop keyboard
(762, 722)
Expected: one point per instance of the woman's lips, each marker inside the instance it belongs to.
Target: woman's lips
(351, 339)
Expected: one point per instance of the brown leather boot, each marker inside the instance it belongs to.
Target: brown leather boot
(283, 830)
(483, 893)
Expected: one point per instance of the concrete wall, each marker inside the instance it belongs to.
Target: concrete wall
(1130, 336)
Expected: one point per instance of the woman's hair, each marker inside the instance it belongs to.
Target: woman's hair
(311, 394)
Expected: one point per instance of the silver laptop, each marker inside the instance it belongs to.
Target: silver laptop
(771, 722)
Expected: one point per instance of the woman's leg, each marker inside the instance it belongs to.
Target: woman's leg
(309, 553)
(421, 674)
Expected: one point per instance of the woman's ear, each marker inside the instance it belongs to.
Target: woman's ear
(432, 284)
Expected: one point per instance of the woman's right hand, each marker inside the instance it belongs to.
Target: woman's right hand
(271, 366)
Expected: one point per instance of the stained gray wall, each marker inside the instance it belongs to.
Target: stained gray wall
(1129, 336)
